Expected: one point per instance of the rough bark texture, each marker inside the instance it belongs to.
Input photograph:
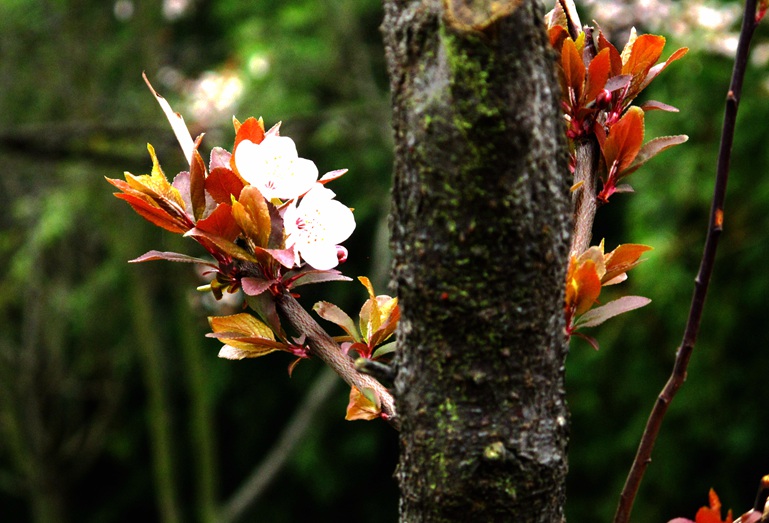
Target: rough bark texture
(481, 237)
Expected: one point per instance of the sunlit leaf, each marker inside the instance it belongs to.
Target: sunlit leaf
(177, 124)
(390, 314)
(557, 34)
(583, 287)
(644, 53)
(248, 335)
(285, 257)
(220, 157)
(362, 407)
(622, 259)
(251, 214)
(615, 59)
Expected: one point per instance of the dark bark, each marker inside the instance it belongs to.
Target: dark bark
(481, 237)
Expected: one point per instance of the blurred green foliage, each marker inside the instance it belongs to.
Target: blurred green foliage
(113, 404)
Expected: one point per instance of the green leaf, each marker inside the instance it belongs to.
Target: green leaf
(385, 349)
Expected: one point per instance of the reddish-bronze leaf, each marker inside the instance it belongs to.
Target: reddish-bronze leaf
(153, 213)
(573, 68)
(712, 513)
(615, 59)
(222, 184)
(597, 75)
(221, 223)
(197, 185)
(624, 141)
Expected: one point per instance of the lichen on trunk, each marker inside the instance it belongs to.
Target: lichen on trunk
(480, 237)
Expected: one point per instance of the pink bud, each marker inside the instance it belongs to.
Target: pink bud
(341, 254)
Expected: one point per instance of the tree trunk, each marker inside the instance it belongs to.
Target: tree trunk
(481, 223)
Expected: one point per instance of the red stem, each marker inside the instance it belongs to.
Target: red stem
(715, 226)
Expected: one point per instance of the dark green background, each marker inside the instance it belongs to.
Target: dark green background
(104, 370)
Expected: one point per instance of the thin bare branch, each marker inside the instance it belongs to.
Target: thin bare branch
(701, 283)
(325, 348)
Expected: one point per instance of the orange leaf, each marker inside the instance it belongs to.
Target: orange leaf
(622, 259)
(583, 286)
(573, 68)
(251, 130)
(557, 35)
(615, 59)
(361, 406)
(222, 184)
(252, 215)
(154, 214)
(643, 53)
(220, 222)
(712, 514)
(624, 140)
(597, 74)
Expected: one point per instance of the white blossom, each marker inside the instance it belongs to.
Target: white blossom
(316, 226)
(274, 167)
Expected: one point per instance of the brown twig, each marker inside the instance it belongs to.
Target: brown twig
(583, 200)
(325, 348)
(715, 226)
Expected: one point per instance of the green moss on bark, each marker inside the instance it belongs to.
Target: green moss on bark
(480, 232)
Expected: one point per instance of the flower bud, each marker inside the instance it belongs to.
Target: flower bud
(603, 99)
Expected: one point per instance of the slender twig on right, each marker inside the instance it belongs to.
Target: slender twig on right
(715, 226)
